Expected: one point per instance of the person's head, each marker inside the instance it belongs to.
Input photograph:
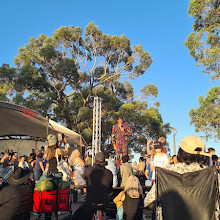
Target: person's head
(33, 150)
(22, 159)
(11, 151)
(214, 159)
(120, 120)
(133, 187)
(88, 155)
(75, 154)
(15, 157)
(40, 155)
(162, 140)
(52, 140)
(42, 149)
(174, 158)
(145, 155)
(125, 158)
(192, 150)
(141, 159)
(147, 158)
(158, 147)
(100, 159)
(211, 151)
(52, 144)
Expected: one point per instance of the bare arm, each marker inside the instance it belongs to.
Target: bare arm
(79, 160)
(64, 142)
(147, 173)
(149, 152)
(119, 197)
(135, 166)
(152, 167)
(61, 153)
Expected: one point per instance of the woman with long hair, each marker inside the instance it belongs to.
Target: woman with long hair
(78, 165)
(159, 159)
(53, 152)
(129, 200)
(53, 155)
(23, 163)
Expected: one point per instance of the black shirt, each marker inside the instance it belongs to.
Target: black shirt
(132, 208)
(33, 156)
(16, 202)
(99, 182)
(53, 165)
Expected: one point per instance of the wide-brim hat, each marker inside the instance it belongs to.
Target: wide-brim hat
(18, 176)
(193, 145)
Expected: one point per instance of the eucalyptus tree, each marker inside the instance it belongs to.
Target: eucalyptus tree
(204, 42)
(60, 75)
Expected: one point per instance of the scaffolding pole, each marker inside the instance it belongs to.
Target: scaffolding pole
(96, 136)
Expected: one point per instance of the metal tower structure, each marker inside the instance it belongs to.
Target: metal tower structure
(96, 134)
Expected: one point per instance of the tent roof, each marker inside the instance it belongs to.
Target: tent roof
(19, 121)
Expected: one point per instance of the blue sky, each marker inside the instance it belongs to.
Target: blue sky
(160, 26)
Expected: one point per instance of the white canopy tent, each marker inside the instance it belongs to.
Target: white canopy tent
(19, 121)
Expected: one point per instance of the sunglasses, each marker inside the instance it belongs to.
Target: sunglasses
(157, 146)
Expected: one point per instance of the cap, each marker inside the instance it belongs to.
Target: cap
(193, 145)
(52, 139)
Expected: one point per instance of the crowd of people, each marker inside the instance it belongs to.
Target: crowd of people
(99, 180)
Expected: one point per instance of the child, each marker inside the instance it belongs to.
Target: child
(160, 159)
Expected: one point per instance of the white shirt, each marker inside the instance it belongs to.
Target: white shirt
(159, 162)
(23, 165)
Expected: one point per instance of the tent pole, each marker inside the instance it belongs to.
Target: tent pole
(47, 124)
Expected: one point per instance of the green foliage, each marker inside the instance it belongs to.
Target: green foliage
(150, 89)
(7, 82)
(204, 46)
(60, 75)
(206, 118)
(204, 42)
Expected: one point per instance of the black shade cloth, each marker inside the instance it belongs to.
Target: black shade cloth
(190, 196)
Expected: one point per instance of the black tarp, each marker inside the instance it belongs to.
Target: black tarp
(188, 196)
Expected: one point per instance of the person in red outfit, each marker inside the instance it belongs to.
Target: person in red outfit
(120, 133)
